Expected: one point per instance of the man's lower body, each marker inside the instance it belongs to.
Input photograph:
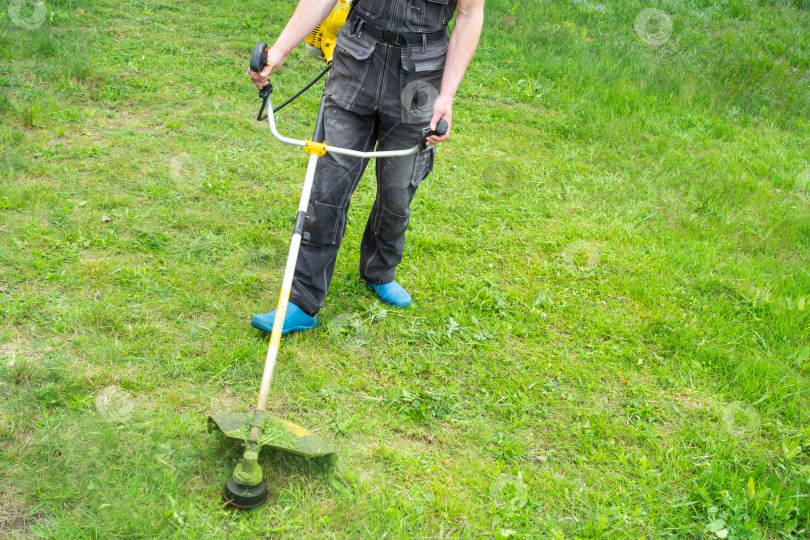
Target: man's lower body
(335, 180)
(364, 107)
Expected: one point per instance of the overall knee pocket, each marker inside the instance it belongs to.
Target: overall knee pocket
(396, 199)
(328, 204)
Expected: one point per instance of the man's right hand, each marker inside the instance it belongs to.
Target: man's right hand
(274, 60)
(308, 14)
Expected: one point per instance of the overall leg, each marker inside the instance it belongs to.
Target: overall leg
(402, 118)
(336, 178)
(384, 236)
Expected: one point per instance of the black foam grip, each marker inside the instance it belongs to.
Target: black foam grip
(441, 127)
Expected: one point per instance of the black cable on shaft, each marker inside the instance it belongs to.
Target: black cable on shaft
(304, 89)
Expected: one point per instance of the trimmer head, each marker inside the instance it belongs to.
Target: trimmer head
(244, 497)
(246, 489)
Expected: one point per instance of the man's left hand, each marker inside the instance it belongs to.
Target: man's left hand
(442, 108)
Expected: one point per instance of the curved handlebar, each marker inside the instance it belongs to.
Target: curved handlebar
(271, 119)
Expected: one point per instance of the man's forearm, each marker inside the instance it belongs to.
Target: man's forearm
(308, 14)
(463, 42)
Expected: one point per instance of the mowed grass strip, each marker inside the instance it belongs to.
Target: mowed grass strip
(610, 335)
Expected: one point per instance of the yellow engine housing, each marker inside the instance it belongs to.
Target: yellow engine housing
(321, 41)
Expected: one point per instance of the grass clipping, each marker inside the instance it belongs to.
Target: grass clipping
(274, 432)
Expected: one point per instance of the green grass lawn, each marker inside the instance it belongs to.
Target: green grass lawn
(610, 267)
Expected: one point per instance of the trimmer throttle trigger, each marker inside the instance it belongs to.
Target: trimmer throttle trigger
(441, 129)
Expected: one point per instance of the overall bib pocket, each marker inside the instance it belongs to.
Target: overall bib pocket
(372, 9)
(428, 15)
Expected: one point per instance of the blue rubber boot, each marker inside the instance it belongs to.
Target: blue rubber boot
(294, 321)
(392, 294)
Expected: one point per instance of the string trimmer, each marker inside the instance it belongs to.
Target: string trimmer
(246, 488)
